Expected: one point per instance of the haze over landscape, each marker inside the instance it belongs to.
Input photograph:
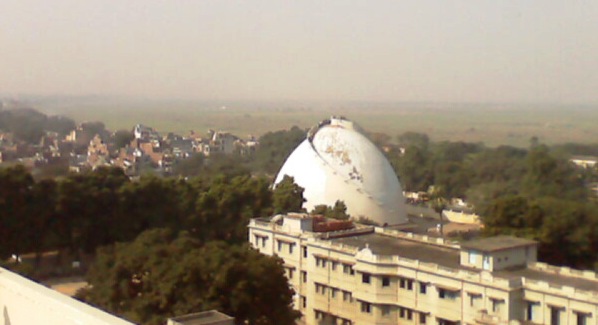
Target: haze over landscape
(495, 72)
(431, 51)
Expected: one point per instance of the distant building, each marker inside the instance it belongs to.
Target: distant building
(219, 142)
(372, 275)
(143, 132)
(584, 161)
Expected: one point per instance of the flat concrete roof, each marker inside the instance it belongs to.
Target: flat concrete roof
(381, 244)
(202, 318)
(493, 244)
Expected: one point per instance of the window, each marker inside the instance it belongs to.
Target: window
(320, 288)
(530, 310)
(304, 251)
(422, 318)
(333, 292)
(365, 278)
(348, 269)
(581, 318)
(486, 262)
(496, 304)
(304, 276)
(406, 284)
(279, 245)
(385, 281)
(291, 248)
(405, 313)
(333, 265)
(473, 257)
(290, 272)
(423, 288)
(260, 239)
(447, 294)
(346, 322)
(320, 262)
(555, 316)
(347, 296)
(366, 307)
(319, 315)
(385, 310)
(304, 301)
(474, 299)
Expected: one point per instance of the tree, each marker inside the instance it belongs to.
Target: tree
(122, 138)
(41, 214)
(287, 196)
(338, 211)
(140, 209)
(414, 169)
(163, 274)
(15, 199)
(223, 210)
(60, 124)
(415, 139)
(87, 207)
(275, 147)
(437, 201)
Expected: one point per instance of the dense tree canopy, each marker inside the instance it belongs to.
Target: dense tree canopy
(274, 149)
(161, 274)
(89, 210)
(30, 125)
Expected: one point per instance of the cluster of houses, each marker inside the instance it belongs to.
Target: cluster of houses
(87, 148)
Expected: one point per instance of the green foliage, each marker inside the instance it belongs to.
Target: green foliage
(274, 149)
(162, 274)
(192, 166)
(30, 125)
(223, 210)
(414, 139)
(535, 193)
(60, 124)
(15, 198)
(122, 138)
(287, 196)
(338, 211)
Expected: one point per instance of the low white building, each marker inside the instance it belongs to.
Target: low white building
(345, 274)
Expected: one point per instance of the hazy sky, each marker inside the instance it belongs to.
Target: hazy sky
(330, 50)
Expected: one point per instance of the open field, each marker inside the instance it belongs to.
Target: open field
(491, 124)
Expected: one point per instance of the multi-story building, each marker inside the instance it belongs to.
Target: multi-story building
(353, 274)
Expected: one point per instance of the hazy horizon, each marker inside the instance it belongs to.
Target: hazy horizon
(505, 52)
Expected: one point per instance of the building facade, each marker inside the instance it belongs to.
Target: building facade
(353, 274)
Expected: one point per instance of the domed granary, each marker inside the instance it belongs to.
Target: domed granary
(338, 162)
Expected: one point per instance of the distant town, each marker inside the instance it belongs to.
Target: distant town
(90, 145)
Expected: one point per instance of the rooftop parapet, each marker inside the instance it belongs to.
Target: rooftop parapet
(424, 239)
(565, 271)
(568, 291)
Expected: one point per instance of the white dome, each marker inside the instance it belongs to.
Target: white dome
(337, 162)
